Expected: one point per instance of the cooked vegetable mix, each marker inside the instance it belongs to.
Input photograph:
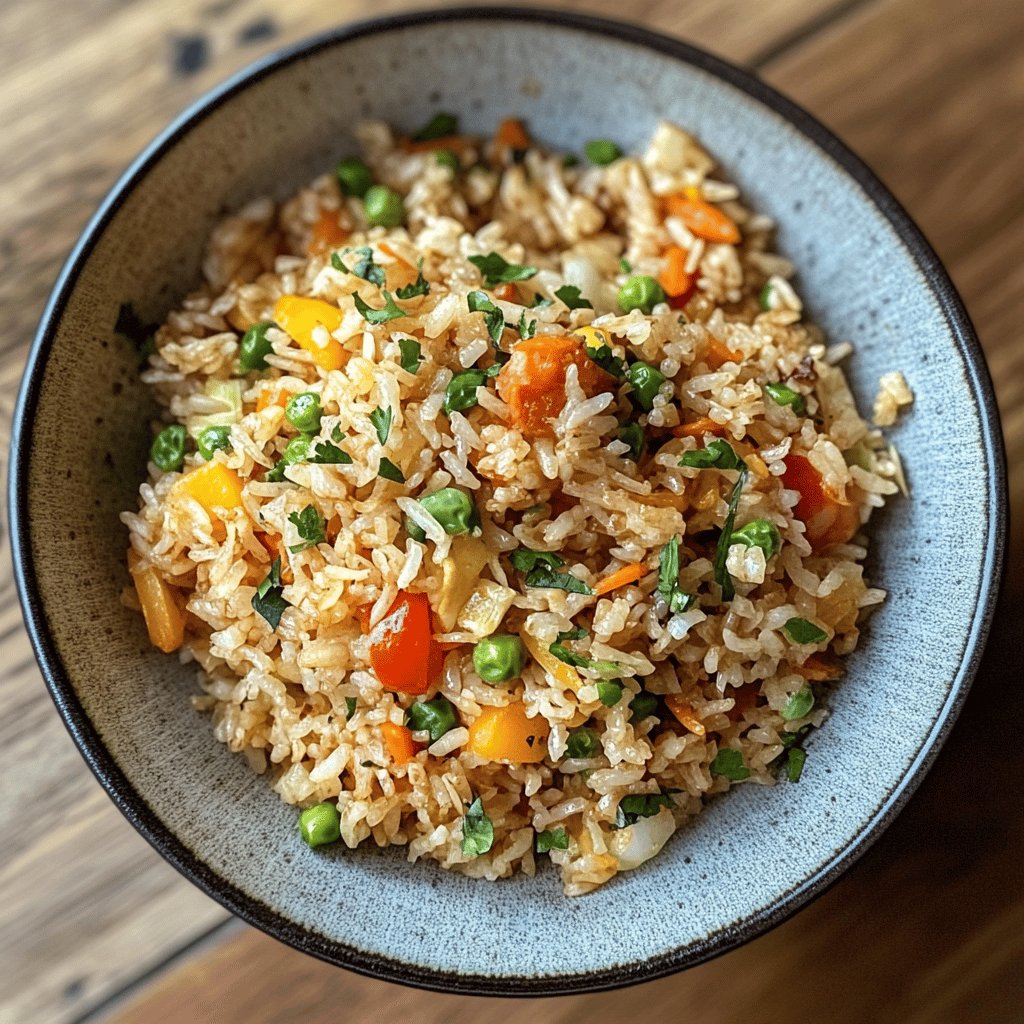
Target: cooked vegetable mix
(509, 502)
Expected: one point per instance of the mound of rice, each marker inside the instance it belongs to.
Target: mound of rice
(733, 684)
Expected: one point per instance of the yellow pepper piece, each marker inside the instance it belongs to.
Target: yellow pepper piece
(214, 486)
(506, 734)
(593, 337)
(564, 675)
(298, 317)
(164, 621)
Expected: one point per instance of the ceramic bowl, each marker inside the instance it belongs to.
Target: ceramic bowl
(755, 855)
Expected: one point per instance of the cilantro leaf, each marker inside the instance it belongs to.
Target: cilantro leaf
(527, 329)
(367, 269)
(267, 601)
(782, 394)
(798, 705)
(718, 454)
(382, 420)
(570, 295)
(552, 839)
(800, 631)
(391, 310)
(310, 526)
(389, 471)
(607, 669)
(729, 762)
(497, 270)
(640, 805)
(419, 287)
(338, 264)
(460, 394)
(350, 706)
(722, 577)
(477, 830)
(625, 266)
(525, 560)
(412, 354)
(557, 581)
(328, 454)
(478, 302)
(668, 579)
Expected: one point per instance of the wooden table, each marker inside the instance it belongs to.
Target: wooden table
(929, 926)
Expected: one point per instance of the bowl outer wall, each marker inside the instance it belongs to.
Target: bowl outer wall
(750, 858)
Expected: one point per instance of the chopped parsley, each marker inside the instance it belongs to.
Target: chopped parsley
(497, 270)
(729, 762)
(350, 706)
(411, 354)
(461, 391)
(389, 471)
(717, 454)
(526, 560)
(477, 830)
(478, 302)
(606, 669)
(552, 839)
(800, 631)
(267, 601)
(798, 705)
(367, 269)
(328, 454)
(310, 527)
(527, 328)
(391, 310)
(382, 420)
(782, 394)
(435, 717)
(640, 805)
(668, 579)
(338, 264)
(570, 295)
(625, 266)
(419, 287)
(557, 581)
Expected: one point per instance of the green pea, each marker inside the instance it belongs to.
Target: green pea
(296, 451)
(640, 292)
(609, 692)
(168, 448)
(353, 177)
(499, 658)
(460, 394)
(435, 716)
(320, 824)
(303, 412)
(582, 743)
(384, 206)
(255, 347)
(646, 381)
(643, 705)
(446, 158)
(452, 508)
(602, 151)
(758, 533)
(212, 439)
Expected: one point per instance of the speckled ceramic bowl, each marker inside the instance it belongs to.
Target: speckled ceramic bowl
(755, 855)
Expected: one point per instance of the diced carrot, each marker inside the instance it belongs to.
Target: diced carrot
(698, 428)
(827, 518)
(674, 279)
(327, 232)
(214, 486)
(398, 739)
(703, 219)
(274, 545)
(299, 317)
(511, 134)
(403, 651)
(684, 714)
(164, 620)
(621, 578)
(532, 382)
(507, 292)
(506, 734)
(718, 354)
(273, 395)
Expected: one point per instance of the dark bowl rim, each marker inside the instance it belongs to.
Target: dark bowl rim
(144, 819)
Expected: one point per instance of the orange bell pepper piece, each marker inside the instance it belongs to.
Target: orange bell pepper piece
(165, 622)
(298, 317)
(398, 739)
(827, 519)
(703, 219)
(506, 734)
(327, 232)
(214, 486)
(403, 651)
(511, 134)
(684, 714)
(674, 278)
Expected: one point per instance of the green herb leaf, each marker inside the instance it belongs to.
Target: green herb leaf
(668, 579)
(497, 270)
(382, 420)
(557, 581)
(795, 760)
(759, 533)
(412, 354)
(539, 302)
(640, 805)
(642, 706)
(437, 127)
(477, 830)
(327, 454)
(310, 527)
(764, 299)
(419, 287)
(609, 692)
(582, 743)
(478, 302)
(367, 269)
(461, 391)
(389, 471)
(717, 454)
(350, 706)
(607, 669)
(525, 560)
(633, 435)
(267, 601)
(337, 433)
(527, 329)
(434, 716)
(391, 310)
(552, 839)
(338, 264)
(782, 394)
(798, 705)
(800, 631)
(570, 295)
(722, 577)
(791, 739)
(625, 266)
(729, 762)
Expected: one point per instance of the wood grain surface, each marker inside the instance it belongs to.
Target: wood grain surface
(928, 927)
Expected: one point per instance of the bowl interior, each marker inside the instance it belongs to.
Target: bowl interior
(85, 433)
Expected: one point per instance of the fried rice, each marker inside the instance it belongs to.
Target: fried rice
(664, 477)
